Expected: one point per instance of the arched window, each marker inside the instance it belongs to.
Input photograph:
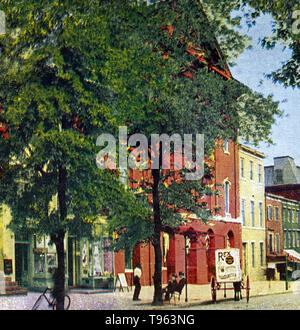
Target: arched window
(210, 239)
(230, 239)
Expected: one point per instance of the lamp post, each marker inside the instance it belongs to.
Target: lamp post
(185, 260)
(286, 273)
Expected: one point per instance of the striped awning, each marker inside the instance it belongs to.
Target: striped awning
(293, 255)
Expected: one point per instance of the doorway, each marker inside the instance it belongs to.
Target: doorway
(21, 264)
(245, 259)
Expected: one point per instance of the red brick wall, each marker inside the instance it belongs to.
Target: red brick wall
(119, 262)
(226, 168)
(200, 262)
(274, 226)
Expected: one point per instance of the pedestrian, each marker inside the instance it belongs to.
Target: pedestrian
(137, 273)
(170, 288)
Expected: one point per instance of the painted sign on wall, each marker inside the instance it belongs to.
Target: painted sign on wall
(228, 265)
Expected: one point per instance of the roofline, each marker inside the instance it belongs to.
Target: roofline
(252, 151)
(281, 197)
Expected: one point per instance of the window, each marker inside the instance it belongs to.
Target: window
(253, 254)
(285, 236)
(252, 214)
(297, 216)
(293, 215)
(226, 197)
(291, 239)
(276, 213)
(128, 258)
(261, 247)
(259, 173)
(260, 214)
(226, 145)
(290, 215)
(243, 212)
(270, 243)
(277, 243)
(269, 212)
(251, 170)
(242, 168)
(284, 214)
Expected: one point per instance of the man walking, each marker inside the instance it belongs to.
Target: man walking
(137, 273)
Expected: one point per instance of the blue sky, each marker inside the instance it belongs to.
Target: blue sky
(250, 69)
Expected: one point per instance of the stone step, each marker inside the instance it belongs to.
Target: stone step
(10, 288)
(19, 292)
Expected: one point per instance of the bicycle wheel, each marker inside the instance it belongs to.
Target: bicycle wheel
(67, 303)
(37, 303)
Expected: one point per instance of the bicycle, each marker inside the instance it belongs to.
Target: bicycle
(51, 302)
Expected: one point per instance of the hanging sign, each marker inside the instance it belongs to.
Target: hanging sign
(228, 265)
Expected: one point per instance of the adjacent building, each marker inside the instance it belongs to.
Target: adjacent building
(276, 258)
(252, 206)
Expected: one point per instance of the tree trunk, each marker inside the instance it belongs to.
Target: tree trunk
(59, 280)
(58, 239)
(157, 298)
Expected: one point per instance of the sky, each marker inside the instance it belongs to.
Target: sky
(250, 69)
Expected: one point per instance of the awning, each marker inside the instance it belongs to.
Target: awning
(293, 255)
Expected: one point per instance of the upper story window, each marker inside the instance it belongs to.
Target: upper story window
(242, 168)
(226, 189)
(290, 215)
(276, 213)
(226, 147)
(260, 214)
(269, 212)
(251, 170)
(252, 214)
(243, 212)
(259, 174)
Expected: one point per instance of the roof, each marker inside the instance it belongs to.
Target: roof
(252, 151)
(292, 255)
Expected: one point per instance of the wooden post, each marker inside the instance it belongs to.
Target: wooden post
(186, 275)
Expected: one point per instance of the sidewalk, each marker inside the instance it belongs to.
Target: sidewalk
(201, 294)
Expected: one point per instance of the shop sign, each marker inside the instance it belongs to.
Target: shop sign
(8, 266)
(40, 250)
(228, 265)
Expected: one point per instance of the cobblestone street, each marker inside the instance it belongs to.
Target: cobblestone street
(285, 301)
(95, 301)
(123, 301)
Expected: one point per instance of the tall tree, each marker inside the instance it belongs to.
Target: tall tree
(55, 103)
(183, 89)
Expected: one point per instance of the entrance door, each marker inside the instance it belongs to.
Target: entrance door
(21, 263)
(73, 262)
(245, 260)
(70, 262)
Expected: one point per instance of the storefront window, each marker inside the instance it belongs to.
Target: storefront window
(44, 256)
(39, 263)
(51, 262)
(101, 257)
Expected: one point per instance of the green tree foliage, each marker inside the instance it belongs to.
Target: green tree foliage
(74, 70)
(285, 15)
(174, 92)
(56, 102)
